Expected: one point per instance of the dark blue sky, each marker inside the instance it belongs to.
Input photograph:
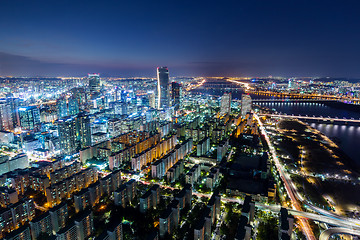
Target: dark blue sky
(209, 38)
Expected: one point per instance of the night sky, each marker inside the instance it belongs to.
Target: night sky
(207, 38)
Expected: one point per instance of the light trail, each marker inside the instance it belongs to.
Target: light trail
(289, 185)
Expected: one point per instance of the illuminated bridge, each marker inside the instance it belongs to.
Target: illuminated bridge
(320, 118)
(294, 100)
(288, 95)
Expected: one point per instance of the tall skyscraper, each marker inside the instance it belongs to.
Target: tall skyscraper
(74, 133)
(61, 107)
(246, 103)
(6, 121)
(73, 106)
(67, 135)
(151, 96)
(29, 117)
(163, 87)
(225, 106)
(94, 84)
(15, 103)
(175, 94)
(83, 130)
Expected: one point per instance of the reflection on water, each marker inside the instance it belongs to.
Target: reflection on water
(349, 138)
(310, 109)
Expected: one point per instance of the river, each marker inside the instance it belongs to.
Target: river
(348, 136)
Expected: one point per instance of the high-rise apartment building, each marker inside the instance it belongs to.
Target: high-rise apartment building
(29, 117)
(67, 135)
(163, 87)
(15, 103)
(73, 106)
(152, 101)
(74, 133)
(83, 130)
(6, 121)
(84, 224)
(61, 107)
(245, 105)
(225, 106)
(59, 215)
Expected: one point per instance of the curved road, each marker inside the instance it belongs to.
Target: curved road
(325, 235)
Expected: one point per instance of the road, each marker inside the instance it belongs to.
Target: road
(325, 216)
(325, 235)
(295, 198)
(322, 216)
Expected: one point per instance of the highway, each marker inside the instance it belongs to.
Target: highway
(325, 235)
(296, 199)
(322, 216)
(325, 216)
(289, 185)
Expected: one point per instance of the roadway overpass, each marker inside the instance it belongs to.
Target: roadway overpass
(333, 220)
(325, 235)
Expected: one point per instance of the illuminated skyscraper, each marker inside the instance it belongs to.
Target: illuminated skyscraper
(151, 96)
(245, 105)
(6, 122)
(175, 94)
(15, 103)
(289, 83)
(67, 135)
(163, 87)
(29, 117)
(74, 133)
(225, 106)
(73, 106)
(83, 130)
(61, 107)
(94, 84)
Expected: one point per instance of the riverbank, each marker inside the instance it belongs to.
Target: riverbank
(321, 171)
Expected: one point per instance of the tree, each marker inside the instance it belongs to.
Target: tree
(268, 229)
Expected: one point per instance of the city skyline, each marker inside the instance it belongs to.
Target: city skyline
(235, 38)
(159, 120)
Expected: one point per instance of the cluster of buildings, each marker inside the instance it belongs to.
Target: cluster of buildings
(169, 218)
(161, 167)
(77, 146)
(208, 218)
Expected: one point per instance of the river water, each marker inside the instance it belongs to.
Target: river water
(348, 136)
